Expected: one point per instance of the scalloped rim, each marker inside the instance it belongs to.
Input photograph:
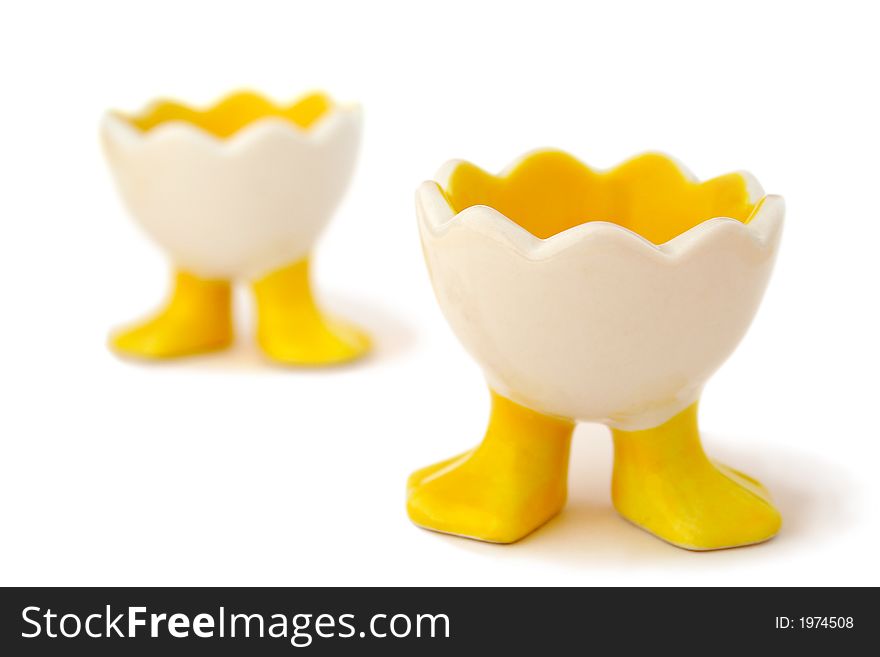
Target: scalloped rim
(121, 130)
(439, 217)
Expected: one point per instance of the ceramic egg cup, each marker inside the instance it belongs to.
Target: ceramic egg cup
(237, 192)
(605, 297)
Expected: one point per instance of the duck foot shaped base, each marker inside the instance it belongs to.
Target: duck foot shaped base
(503, 490)
(292, 329)
(664, 483)
(196, 319)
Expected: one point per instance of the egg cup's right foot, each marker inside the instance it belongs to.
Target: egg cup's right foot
(197, 319)
(292, 330)
(664, 483)
(503, 490)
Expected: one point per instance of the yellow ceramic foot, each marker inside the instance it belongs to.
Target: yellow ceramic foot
(196, 319)
(503, 490)
(291, 329)
(664, 483)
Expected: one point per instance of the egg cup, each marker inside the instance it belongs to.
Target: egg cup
(238, 191)
(599, 296)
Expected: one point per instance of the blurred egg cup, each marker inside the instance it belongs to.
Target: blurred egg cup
(237, 191)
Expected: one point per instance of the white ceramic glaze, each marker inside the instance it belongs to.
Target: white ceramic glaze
(238, 206)
(597, 323)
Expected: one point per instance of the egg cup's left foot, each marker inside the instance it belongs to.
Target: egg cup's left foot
(503, 490)
(196, 319)
(664, 483)
(292, 330)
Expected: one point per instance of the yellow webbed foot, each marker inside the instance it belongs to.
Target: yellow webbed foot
(503, 490)
(291, 329)
(196, 319)
(664, 483)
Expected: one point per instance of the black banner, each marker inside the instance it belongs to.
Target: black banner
(421, 621)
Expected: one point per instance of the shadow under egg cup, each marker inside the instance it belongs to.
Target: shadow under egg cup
(605, 297)
(238, 191)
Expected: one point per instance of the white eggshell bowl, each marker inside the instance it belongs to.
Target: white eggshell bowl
(597, 323)
(236, 206)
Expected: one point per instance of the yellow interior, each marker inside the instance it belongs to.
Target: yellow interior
(550, 192)
(233, 113)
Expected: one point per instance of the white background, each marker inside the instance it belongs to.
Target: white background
(225, 470)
